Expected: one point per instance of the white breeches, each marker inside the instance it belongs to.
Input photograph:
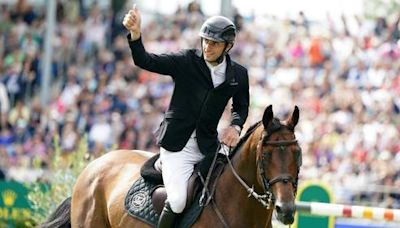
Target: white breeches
(177, 167)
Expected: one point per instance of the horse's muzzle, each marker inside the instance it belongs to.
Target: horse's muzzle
(285, 212)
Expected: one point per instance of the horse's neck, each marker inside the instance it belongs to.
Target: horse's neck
(244, 162)
(230, 192)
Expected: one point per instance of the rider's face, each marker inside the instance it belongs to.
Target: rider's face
(212, 50)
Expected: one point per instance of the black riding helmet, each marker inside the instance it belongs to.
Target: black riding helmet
(219, 29)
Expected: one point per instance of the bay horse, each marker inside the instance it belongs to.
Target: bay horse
(260, 176)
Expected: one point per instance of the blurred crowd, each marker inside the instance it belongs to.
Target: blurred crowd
(343, 73)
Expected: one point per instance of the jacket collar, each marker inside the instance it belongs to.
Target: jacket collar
(203, 67)
(230, 79)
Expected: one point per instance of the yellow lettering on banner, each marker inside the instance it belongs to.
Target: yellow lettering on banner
(4, 213)
(26, 213)
(15, 212)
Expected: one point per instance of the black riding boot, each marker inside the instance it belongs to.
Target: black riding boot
(167, 217)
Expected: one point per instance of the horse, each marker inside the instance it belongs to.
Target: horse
(261, 176)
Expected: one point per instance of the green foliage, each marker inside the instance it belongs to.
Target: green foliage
(45, 198)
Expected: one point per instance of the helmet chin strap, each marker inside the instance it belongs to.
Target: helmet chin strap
(221, 58)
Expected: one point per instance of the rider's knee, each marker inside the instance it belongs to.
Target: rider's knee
(177, 203)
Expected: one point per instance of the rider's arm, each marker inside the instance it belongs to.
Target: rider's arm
(166, 64)
(240, 100)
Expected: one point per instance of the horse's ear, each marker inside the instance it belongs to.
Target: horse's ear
(268, 116)
(292, 122)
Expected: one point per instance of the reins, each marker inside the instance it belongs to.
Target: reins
(203, 201)
(265, 199)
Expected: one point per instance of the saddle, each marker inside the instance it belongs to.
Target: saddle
(145, 199)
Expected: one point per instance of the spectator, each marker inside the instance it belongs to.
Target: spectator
(343, 74)
(4, 105)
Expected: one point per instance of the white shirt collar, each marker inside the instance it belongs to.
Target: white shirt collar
(217, 72)
(217, 67)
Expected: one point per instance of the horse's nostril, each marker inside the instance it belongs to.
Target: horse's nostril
(285, 208)
(278, 209)
(285, 212)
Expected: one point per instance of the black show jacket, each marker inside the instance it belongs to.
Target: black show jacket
(195, 103)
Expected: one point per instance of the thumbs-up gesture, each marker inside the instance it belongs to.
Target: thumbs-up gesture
(132, 22)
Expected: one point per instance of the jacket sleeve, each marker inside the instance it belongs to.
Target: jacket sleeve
(240, 101)
(158, 63)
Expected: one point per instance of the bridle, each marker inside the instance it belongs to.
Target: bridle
(268, 198)
(285, 177)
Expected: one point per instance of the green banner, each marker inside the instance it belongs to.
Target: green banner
(314, 192)
(14, 205)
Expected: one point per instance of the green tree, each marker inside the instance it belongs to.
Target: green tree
(45, 198)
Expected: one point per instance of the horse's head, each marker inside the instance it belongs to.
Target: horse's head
(279, 161)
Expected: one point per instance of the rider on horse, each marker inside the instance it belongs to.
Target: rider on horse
(205, 80)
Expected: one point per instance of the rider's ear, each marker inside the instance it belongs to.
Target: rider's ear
(292, 122)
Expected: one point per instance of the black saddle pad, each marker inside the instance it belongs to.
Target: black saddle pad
(138, 204)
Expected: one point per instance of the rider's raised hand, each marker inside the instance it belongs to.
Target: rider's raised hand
(132, 22)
